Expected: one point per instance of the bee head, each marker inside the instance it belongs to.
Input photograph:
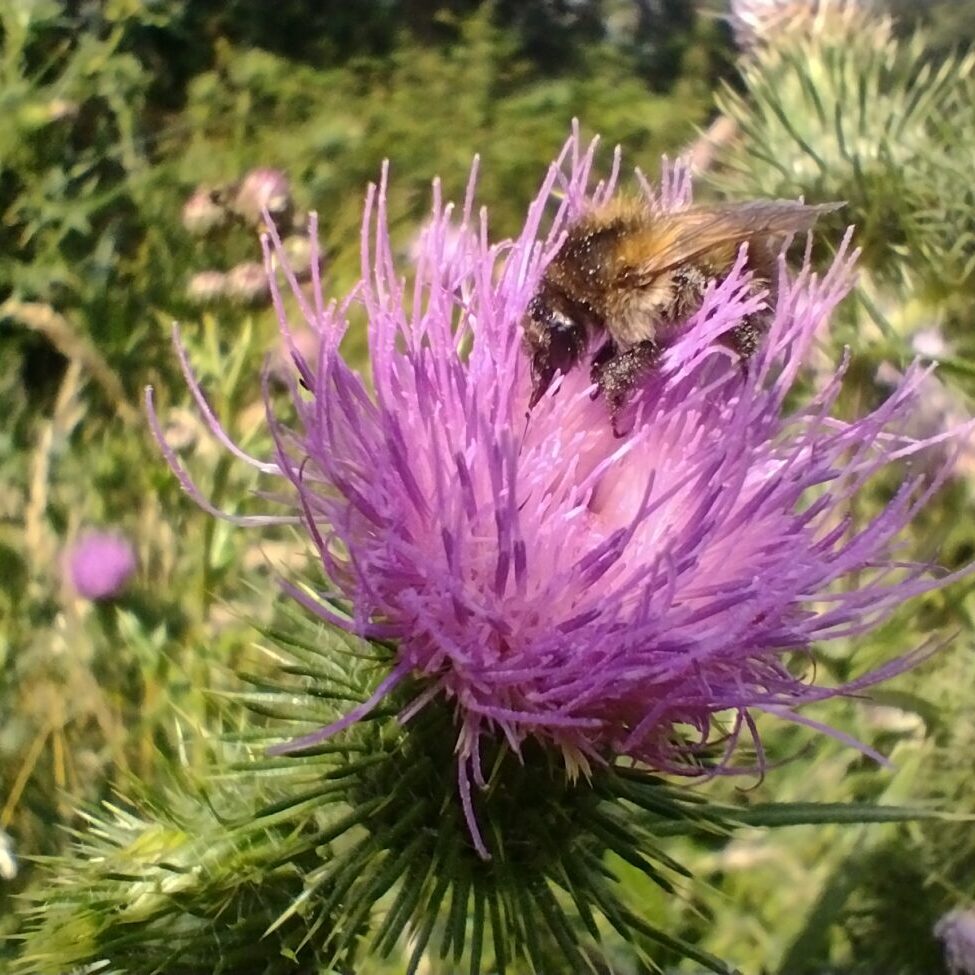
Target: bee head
(555, 334)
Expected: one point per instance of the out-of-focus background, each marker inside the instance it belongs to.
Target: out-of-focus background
(139, 140)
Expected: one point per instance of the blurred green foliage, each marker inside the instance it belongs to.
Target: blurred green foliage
(949, 24)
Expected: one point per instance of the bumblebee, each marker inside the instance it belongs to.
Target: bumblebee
(626, 278)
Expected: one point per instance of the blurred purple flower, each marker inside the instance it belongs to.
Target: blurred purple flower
(283, 363)
(956, 931)
(641, 597)
(205, 287)
(260, 190)
(453, 242)
(247, 283)
(202, 213)
(100, 564)
(939, 408)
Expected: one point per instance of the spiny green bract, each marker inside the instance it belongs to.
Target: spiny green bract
(358, 849)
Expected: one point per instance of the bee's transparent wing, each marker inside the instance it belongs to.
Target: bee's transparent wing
(687, 235)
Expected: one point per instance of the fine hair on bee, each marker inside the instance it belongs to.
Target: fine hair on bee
(627, 277)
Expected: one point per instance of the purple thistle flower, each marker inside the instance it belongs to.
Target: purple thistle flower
(206, 287)
(263, 190)
(100, 565)
(247, 283)
(602, 595)
(202, 213)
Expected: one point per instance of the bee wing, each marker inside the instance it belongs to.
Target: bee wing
(686, 235)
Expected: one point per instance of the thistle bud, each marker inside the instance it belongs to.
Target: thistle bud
(246, 284)
(202, 213)
(100, 565)
(206, 287)
(260, 190)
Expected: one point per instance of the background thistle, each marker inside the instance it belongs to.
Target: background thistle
(835, 106)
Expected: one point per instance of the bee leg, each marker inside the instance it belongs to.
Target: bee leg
(599, 362)
(744, 339)
(623, 371)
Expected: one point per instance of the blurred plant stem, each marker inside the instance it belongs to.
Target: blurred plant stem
(41, 543)
(703, 151)
(75, 347)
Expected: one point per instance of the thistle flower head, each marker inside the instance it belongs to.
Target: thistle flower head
(895, 160)
(643, 596)
(100, 564)
(756, 22)
(247, 283)
(263, 190)
(206, 287)
(202, 213)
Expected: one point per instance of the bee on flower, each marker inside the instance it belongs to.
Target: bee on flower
(645, 595)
